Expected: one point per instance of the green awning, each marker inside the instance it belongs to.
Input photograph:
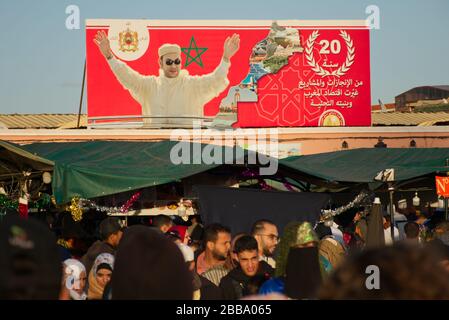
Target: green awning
(99, 168)
(362, 165)
(14, 161)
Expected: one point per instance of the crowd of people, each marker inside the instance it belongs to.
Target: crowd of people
(166, 260)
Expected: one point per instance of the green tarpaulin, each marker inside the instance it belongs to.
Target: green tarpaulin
(99, 168)
(362, 165)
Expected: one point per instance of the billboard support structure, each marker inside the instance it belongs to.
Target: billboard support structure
(81, 97)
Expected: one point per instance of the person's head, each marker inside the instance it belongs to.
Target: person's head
(195, 219)
(217, 241)
(441, 232)
(441, 250)
(74, 280)
(411, 230)
(30, 262)
(150, 266)
(103, 274)
(111, 231)
(246, 249)
(170, 59)
(102, 268)
(442, 227)
(399, 272)
(267, 236)
(233, 254)
(70, 230)
(162, 222)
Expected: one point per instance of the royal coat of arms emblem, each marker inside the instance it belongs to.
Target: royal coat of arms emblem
(128, 40)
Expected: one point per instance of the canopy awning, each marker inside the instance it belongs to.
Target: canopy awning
(362, 165)
(99, 168)
(15, 161)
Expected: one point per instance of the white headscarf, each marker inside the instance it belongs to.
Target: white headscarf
(72, 271)
(103, 258)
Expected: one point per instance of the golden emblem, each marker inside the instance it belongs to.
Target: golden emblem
(331, 118)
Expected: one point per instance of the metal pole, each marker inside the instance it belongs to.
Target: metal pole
(82, 94)
(391, 190)
(445, 199)
(445, 208)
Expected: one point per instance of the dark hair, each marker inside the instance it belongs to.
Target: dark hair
(411, 230)
(259, 226)
(245, 243)
(443, 226)
(104, 266)
(197, 217)
(161, 220)
(211, 232)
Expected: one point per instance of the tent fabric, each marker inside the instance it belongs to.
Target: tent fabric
(14, 160)
(239, 208)
(362, 165)
(375, 237)
(100, 168)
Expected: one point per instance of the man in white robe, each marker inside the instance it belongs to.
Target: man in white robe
(174, 93)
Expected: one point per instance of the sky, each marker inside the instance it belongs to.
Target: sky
(41, 63)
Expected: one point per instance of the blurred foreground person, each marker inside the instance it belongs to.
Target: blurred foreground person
(405, 272)
(441, 250)
(148, 265)
(300, 268)
(189, 257)
(30, 262)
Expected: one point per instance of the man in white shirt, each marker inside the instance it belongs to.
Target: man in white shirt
(174, 93)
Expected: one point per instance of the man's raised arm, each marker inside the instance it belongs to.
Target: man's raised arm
(211, 85)
(102, 41)
(231, 46)
(130, 79)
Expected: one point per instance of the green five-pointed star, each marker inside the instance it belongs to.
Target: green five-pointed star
(197, 58)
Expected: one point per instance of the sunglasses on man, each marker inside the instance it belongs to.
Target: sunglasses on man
(169, 62)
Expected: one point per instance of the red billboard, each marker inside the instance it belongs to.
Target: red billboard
(284, 74)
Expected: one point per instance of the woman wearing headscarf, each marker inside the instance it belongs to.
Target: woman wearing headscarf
(100, 275)
(298, 271)
(74, 280)
(332, 253)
